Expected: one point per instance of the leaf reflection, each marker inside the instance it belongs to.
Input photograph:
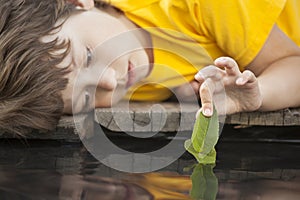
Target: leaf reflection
(204, 183)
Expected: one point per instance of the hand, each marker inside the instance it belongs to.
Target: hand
(230, 90)
(85, 4)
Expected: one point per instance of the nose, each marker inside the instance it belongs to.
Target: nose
(108, 79)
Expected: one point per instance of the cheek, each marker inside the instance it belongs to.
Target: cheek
(105, 98)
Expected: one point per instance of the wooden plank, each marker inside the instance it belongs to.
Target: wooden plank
(291, 117)
(172, 116)
(152, 117)
(188, 116)
(147, 117)
(286, 117)
(274, 118)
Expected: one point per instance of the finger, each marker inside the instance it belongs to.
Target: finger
(211, 71)
(246, 77)
(196, 86)
(206, 96)
(188, 90)
(230, 65)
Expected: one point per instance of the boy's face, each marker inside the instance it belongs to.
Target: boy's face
(105, 57)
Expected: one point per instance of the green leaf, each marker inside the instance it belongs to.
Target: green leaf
(204, 183)
(204, 138)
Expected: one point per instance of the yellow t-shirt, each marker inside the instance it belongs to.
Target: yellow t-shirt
(190, 34)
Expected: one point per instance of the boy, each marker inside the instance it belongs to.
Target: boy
(60, 46)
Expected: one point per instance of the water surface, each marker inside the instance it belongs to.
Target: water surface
(252, 163)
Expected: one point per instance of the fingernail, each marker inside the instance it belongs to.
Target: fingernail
(220, 59)
(207, 112)
(197, 76)
(239, 81)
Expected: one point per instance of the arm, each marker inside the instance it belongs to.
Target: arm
(277, 67)
(280, 84)
(277, 86)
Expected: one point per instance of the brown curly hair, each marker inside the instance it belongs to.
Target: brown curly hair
(30, 82)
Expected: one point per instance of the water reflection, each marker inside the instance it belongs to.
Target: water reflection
(16, 184)
(263, 189)
(58, 170)
(41, 184)
(204, 182)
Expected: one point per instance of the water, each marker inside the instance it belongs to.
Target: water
(253, 163)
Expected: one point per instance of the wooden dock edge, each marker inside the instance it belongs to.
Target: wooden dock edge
(171, 116)
(154, 117)
(286, 117)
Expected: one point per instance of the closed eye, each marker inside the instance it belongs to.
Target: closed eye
(87, 101)
(88, 56)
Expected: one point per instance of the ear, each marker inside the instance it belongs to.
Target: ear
(83, 4)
